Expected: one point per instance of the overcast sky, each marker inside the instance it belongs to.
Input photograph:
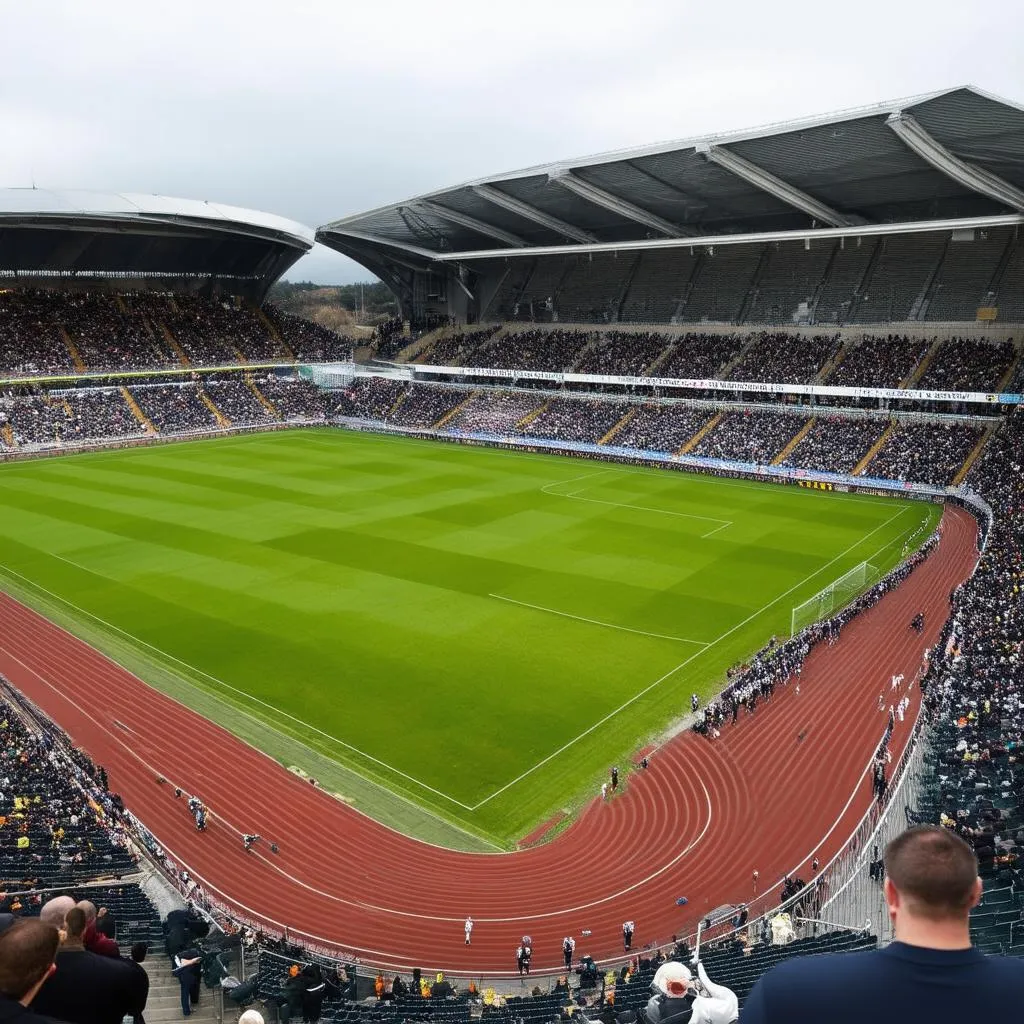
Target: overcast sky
(315, 110)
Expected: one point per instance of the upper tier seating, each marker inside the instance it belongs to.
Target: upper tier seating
(878, 362)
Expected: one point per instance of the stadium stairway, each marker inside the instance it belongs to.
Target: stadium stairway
(76, 357)
(652, 370)
(623, 420)
(396, 405)
(794, 441)
(858, 470)
(262, 398)
(831, 365)
(222, 420)
(171, 340)
(147, 423)
(238, 355)
(164, 1003)
(272, 330)
(419, 350)
(451, 413)
(918, 371)
(1008, 376)
(706, 429)
(532, 415)
(961, 473)
(7, 432)
(722, 373)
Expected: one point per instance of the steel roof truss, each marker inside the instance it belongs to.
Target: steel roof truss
(525, 210)
(618, 206)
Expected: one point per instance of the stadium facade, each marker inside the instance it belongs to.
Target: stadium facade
(143, 242)
(904, 211)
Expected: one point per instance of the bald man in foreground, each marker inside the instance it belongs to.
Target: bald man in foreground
(929, 972)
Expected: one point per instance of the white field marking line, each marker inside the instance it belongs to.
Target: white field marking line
(597, 622)
(622, 504)
(362, 903)
(235, 689)
(263, 724)
(671, 672)
(644, 471)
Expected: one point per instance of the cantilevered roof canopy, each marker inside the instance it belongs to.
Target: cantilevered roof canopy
(50, 232)
(858, 167)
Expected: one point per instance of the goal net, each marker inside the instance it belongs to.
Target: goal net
(836, 595)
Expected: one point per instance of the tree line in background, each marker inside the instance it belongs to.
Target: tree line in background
(337, 306)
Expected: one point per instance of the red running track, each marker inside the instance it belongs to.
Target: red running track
(696, 823)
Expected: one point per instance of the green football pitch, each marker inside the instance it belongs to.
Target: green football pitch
(457, 640)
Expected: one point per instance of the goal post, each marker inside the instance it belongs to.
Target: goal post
(838, 594)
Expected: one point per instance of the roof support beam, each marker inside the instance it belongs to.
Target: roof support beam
(466, 221)
(621, 207)
(427, 256)
(929, 149)
(525, 210)
(767, 182)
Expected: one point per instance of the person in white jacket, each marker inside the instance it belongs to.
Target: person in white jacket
(678, 999)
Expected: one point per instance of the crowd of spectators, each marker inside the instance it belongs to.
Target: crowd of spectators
(974, 688)
(174, 408)
(782, 358)
(236, 400)
(699, 356)
(30, 338)
(780, 662)
(879, 362)
(749, 436)
(574, 419)
(835, 444)
(555, 349)
(423, 404)
(389, 338)
(55, 822)
(494, 412)
(41, 332)
(451, 349)
(370, 398)
(622, 353)
(924, 452)
(661, 428)
(309, 341)
(968, 364)
(294, 398)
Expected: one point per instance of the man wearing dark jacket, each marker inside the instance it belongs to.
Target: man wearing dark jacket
(87, 988)
(27, 951)
(931, 971)
(188, 969)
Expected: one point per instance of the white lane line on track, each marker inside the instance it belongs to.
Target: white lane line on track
(362, 904)
(498, 851)
(671, 672)
(597, 622)
(234, 689)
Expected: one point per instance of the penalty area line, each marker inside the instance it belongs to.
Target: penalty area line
(598, 622)
(672, 671)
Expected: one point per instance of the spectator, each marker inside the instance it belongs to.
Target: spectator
(92, 939)
(86, 988)
(930, 972)
(27, 952)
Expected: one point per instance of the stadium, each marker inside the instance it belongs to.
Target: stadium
(657, 565)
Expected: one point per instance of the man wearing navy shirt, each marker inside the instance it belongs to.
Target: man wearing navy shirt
(930, 972)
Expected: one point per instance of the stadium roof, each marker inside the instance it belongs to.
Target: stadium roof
(45, 231)
(944, 156)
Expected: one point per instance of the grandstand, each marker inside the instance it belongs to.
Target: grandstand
(834, 304)
(904, 211)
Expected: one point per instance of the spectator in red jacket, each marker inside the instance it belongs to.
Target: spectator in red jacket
(94, 940)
